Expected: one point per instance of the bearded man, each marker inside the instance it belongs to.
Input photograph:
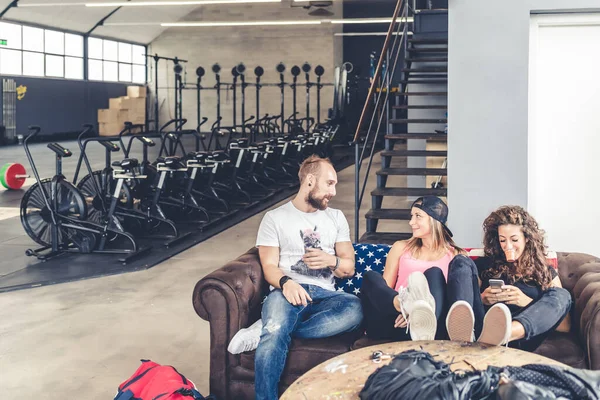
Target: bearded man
(302, 246)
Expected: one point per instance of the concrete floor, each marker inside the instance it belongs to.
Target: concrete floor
(82, 339)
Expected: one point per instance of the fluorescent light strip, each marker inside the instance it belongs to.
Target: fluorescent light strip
(147, 3)
(368, 33)
(368, 20)
(241, 23)
(175, 3)
(21, 5)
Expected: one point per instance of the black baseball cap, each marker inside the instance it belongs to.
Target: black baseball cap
(435, 208)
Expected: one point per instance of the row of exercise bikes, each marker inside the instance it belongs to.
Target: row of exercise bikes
(180, 192)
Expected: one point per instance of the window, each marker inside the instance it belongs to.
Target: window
(55, 66)
(33, 64)
(73, 68)
(110, 60)
(26, 50)
(95, 70)
(33, 39)
(31, 51)
(10, 34)
(54, 42)
(73, 45)
(10, 62)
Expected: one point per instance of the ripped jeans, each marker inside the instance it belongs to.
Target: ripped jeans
(329, 314)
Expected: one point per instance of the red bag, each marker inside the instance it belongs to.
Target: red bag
(153, 381)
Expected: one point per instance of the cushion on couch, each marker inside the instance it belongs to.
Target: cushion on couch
(564, 348)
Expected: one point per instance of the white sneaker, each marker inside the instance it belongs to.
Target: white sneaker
(414, 312)
(422, 322)
(246, 339)
(496, 325)
(417, 289)
(460, 322)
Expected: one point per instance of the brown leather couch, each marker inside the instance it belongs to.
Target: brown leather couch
(230, 299)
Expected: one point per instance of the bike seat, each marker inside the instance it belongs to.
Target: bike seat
(241, 143)
(173, 163)
(219, 155)
(59, 150)
(126, 164)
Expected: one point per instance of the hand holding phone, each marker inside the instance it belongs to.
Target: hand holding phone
(493, 294)
(496, 283)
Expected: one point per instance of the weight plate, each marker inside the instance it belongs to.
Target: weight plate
(10, 174)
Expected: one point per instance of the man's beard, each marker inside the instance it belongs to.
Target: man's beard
(319, 204)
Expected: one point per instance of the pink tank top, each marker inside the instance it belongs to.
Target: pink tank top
(407, 265)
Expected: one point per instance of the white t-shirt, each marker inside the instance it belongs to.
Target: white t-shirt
(293, 231)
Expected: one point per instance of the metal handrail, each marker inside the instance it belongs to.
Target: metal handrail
(400, 13)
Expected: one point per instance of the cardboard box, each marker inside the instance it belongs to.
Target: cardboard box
(111, 115)
(110, 129)
(115, 103)
(137, 104)
(135, 117)
(136, 91)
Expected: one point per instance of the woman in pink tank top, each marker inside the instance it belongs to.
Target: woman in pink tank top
(407, 301)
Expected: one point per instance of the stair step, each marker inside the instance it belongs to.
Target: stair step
(399, 191)
(426, 59)
(428, 76)
(414, 153)
(389, 213)
(428, 41)
(426, 136)
(418, 121)
(426, 69)
(413, 171)
(428, 50)
(384, 237)
(420, 107)
(426, 81)
(422, 94)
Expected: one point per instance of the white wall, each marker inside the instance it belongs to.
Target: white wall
(488, 108)
(564, 134)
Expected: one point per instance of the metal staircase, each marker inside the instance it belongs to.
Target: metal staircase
(412, 163)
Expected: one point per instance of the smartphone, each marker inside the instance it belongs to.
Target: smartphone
(496, 283)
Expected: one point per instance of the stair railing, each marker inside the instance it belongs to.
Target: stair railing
(395, 44)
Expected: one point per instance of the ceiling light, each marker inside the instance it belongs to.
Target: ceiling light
(174, 3)
(368, 33)
(369, 20)
(49, 4)
(240, 23)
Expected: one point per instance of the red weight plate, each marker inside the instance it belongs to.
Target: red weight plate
(10, 176)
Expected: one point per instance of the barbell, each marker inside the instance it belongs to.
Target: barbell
(13, 175)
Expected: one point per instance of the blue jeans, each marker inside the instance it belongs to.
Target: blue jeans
(540, 318)
(329, 314)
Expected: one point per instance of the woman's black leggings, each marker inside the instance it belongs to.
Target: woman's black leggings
(380, 313)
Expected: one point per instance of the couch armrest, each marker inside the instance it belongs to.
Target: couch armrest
(229, 299)
(580, 273)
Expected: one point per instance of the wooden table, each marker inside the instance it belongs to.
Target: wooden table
(344, 376)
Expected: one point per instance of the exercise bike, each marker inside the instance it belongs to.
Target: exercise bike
(54, 214)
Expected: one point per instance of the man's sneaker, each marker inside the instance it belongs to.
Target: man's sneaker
(460, 322)
(246, 339)
(422, 322)
(496, 325)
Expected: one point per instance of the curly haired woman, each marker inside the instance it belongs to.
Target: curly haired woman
(527, 305)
